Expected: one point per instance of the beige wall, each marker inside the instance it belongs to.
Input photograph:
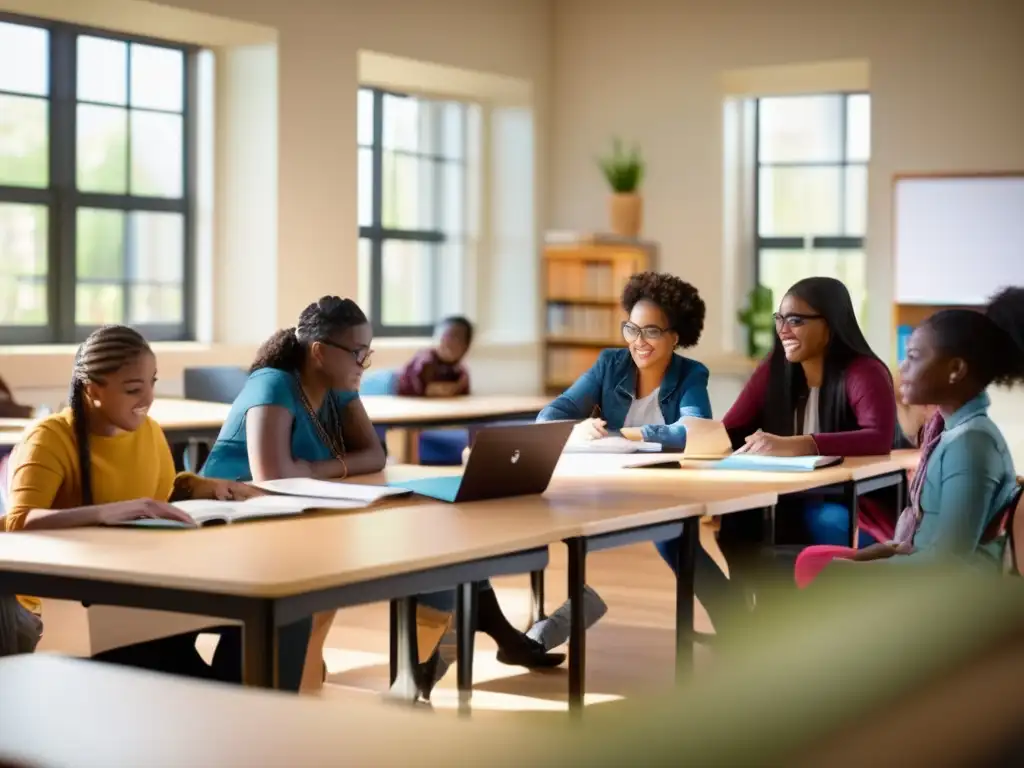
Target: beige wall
(317, 45)
(946, 79)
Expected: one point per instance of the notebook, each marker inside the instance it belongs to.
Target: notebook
(759, 463)
(211, 512)
(611, 444)
(706, 439)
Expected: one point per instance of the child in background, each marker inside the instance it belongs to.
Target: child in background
(438, 371)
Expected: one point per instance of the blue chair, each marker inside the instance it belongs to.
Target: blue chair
(438, 447)
(211, 384)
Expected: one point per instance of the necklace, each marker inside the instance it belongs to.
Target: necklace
(330, 432)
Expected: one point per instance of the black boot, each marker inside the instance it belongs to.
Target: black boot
(514, 647)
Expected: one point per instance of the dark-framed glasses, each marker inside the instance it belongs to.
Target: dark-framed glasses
(793, 319)
(631, 332)
(362, 356)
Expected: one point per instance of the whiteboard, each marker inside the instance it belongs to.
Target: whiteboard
(958, 239)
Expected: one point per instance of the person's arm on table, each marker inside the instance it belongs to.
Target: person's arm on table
(694, 403)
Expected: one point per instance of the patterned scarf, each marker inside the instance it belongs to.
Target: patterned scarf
(910, 518)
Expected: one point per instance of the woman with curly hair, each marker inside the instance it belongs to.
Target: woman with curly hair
(643, 391)
(299, 415)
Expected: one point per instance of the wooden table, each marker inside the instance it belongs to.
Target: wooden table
(414, 414)
(72, 713)
(273, 572)
(621, 511)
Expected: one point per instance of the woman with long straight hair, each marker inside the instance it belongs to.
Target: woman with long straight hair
(821, 391)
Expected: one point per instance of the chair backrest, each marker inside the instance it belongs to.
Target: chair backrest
(214, 383)
(382, 382)
(1013, 554)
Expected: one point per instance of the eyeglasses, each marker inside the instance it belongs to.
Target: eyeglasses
(793, 320)
(631, 332)
(362, 356)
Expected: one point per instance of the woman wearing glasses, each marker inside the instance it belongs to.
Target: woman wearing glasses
(645, 390)
(821, 391)
(299, 415)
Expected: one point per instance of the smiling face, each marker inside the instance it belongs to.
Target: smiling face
(344, 356)
(651, 341)
(927, 376)
(803, 332)
(123, 398)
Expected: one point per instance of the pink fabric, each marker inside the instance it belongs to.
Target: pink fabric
(877, 520)
(813, 560)
(906, 526)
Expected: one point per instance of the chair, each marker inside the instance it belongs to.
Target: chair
(211, 384)
(1012, 523)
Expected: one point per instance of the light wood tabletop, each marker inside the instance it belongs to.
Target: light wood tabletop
(74, 713)
(393, 411)
(9, 438)
(281, 557)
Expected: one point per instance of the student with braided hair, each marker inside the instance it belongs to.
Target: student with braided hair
(104, 461)
(299, 415)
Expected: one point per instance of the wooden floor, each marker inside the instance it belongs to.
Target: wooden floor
(630, 651)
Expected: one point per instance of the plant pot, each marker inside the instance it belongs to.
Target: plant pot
(625, 210)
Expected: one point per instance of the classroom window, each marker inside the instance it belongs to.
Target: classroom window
(95, 183)
(811, 200)
(412, 199)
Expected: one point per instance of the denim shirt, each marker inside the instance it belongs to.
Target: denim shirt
(611, 385)
(969, 479)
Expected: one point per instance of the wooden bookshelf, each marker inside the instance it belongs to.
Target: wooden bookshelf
(583, 281)
(909, 316)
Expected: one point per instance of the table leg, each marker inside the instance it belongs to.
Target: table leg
(537, 596)
(393, 644)
(412, 446)
(406, 656)
(686, 557)
(849, 500)
(465, 634)
(259, 650)
(577, 629)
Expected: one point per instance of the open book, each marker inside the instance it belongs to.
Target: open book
(213, 512)
(290, 496)
(611, 444)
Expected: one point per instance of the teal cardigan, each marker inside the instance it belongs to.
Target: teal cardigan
(970, 479)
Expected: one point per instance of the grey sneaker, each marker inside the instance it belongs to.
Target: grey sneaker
(553, 631)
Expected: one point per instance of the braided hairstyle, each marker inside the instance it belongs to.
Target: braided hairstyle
(990, 342)
(286, 350)
(104, 351)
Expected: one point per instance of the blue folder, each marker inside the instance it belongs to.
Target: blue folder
(441, 488)
(758, 463)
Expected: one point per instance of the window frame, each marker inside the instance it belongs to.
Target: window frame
(835, 242)
(63, 199)
(376, 234)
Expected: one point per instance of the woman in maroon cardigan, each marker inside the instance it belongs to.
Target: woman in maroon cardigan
(821, 391)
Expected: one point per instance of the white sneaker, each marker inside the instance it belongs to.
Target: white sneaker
(553, 631)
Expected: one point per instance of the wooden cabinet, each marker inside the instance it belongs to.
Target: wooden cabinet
(583, 282)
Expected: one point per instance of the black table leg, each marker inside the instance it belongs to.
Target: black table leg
(393, 645)
(849, 500)
(537, 596)
(259, 649)
(465, 634)
(577, 630)
(686, 558)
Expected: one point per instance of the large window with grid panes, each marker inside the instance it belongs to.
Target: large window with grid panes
(412, 209)
(812, 155)
(96, 183)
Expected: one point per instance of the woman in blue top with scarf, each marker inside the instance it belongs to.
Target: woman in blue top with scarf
(299, 415)
(644, 392)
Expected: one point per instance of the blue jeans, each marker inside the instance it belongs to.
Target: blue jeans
(826, 522)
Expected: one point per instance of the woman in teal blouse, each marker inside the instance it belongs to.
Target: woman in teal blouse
(299, 415)
(966, 480)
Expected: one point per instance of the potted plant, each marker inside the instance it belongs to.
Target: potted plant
(624, 171)
(759, 320)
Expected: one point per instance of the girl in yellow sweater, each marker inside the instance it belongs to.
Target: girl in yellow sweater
(104, 461)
